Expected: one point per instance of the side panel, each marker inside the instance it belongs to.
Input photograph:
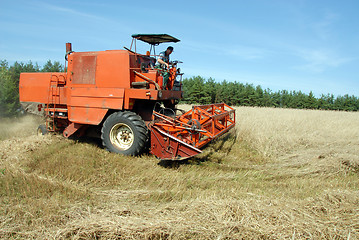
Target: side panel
(84, 68)
(86, 115)
(34, 87)
(113, 69)
(97, 81)
(110, 98)
(90, 105)
(103, 69)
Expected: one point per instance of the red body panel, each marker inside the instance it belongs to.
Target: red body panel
(34, 87)
(94, 83)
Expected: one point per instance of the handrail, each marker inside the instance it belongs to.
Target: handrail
(148, 80)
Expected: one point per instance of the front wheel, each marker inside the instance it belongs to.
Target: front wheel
(124, 133)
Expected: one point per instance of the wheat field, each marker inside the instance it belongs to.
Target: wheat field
(280, 174)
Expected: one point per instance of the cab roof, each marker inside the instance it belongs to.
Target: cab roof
(155, 39)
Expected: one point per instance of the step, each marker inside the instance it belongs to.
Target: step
(57, 115)
(56, 109)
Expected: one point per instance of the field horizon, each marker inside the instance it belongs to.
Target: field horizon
(280, 174)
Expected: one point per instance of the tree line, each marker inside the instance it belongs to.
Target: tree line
(9, 83)
(197, 90)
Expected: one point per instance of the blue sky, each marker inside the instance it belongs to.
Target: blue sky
(278, 44)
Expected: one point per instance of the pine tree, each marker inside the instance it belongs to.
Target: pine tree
(312, 102)
(211, 90)
(52, 67)
(9, 103)
(197, 93)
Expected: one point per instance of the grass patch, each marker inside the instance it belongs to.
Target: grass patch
(31, 202)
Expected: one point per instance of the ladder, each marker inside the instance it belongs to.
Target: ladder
(53, 109)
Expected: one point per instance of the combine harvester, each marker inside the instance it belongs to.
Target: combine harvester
(119, 93)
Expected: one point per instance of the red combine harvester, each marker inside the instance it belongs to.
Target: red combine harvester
(120, 93)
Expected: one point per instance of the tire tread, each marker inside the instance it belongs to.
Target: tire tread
(137, 122)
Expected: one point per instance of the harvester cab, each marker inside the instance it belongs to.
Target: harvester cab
(147, 61)
(117, 93)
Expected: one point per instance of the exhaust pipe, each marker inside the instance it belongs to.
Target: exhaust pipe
(68, 50)
(68, 47)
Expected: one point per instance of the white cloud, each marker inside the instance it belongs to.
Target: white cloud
(319, 60)
(72, 12)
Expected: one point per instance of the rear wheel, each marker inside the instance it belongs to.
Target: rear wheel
(124, 133)
(42, 130)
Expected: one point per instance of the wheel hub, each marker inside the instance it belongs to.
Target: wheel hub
(121, 136)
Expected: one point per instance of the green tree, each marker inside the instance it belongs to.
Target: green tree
(9, 83)
(199, 90)
(259, 96)
(223, 92)
(311, 102)
(9, 102)
(267, 98)
(196, 93)
(211, 90)
(52, 67)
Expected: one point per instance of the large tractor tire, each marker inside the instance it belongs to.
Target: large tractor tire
(124, 133)
(42, 130)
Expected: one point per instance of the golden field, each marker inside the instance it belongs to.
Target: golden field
(281, 174)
